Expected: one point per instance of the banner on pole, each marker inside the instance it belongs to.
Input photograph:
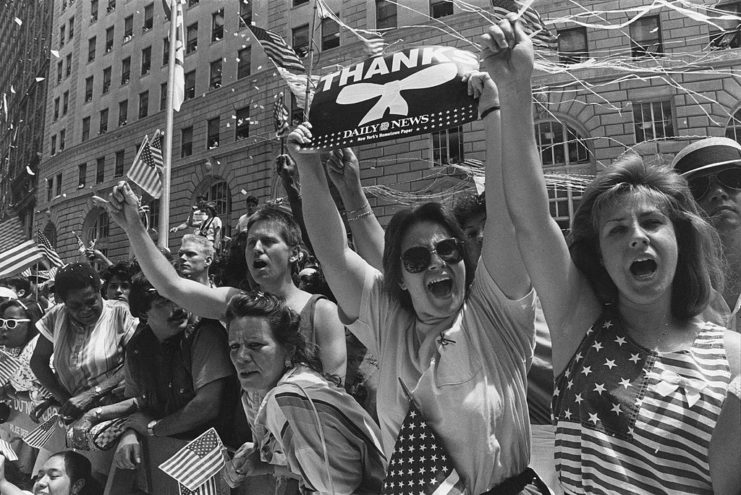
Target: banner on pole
(411, 92)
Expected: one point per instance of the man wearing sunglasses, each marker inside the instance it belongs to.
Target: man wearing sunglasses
(712, 167)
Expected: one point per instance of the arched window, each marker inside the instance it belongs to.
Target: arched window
(733, 128)
(219, 193)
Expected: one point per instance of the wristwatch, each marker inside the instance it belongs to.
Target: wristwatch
(150, 427)
(98, 413)
(98, 390)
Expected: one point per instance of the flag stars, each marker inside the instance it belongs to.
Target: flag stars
(570, 384)
(578, 399)
(567, 414)
(593, 418)
(624, 382)
(586, 370)
(619, 341)
(635, 358)
(599, 388)
(610, 363)
(607, 324)
(578, 357)
(556, 392)
(597, 346)
(616, 409)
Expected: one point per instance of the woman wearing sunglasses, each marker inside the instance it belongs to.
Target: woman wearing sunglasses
(18, 338)
(712, 167)
(646, 396)
(460, 342)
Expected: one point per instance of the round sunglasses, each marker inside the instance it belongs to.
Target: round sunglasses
(729, 178)
(416, 259)
(11, 323)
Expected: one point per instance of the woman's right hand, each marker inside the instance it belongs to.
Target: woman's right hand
(344, 171)
(122, 205)
(236, 468)
(508, 54)
(128, 452)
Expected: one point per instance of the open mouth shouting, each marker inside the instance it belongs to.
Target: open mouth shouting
(440, 286)
(643, 268)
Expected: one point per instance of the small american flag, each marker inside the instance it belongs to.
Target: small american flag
(277, 50)
(208, 488)
(45, 246)
(7, 450)
(8, 366)
(373, 45)
(419, 463)
(531, 21)
(280, 114)
(16, 253)
(146, 171)
(38, 437)
(198, 461)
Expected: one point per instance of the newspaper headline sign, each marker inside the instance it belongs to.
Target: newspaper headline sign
(411, 92)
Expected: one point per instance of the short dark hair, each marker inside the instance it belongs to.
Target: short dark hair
(123, 270)
(289, 228)
(283, 322)
(252, 200)
(698, 264)
(75, 276)
(19, 283)
(467, 205)
(78, 468)
(141, 295)
(400, 223)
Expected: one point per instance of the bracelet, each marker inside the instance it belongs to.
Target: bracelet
(492, 108)
(362, 209)
(360, 215)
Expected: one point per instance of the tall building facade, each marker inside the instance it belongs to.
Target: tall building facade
(598, 96)
(25, 40)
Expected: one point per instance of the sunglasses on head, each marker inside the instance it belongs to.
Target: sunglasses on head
(729, 178)
(416, 259)
(11, 323)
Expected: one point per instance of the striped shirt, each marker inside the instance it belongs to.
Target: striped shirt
(630, 420)
(85, 357)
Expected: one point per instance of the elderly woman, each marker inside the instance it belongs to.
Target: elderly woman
(86, 335)
(178, 378)
(306, 426)
(461, 343)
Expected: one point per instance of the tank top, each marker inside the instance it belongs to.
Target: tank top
(631, 420)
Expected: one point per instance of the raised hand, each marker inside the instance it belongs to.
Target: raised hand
(122, 205)
(344, 170)
(507, 53)
(481, 86)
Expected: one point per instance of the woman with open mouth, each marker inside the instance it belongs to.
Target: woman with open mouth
(455, 343)
(646, 395)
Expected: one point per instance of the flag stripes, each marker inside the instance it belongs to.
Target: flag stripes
(17, 259)
(277, 50)
(198, 461)
(8, 366)
(208, 488)
(146, 171)
(38, 437)
(45, 246)
(7, 450)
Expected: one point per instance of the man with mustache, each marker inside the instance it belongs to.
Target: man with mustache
(712, 167)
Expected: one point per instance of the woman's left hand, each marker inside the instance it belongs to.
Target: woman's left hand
(76, 406)
(138, 422)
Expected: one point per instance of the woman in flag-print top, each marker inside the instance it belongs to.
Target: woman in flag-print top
(306, 426)
(646, 398)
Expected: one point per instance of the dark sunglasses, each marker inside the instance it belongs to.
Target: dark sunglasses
(729, 178)
(416, 259)
(11, 323)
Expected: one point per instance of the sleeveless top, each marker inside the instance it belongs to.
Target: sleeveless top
(631, 420)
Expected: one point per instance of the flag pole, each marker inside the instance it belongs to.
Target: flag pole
(164, 223)
(311, 62)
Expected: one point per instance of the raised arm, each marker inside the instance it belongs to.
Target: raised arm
(367, 233)
(343, 268)
(508, 57)
(200, 299)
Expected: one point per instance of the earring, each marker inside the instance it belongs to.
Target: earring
(288, 363)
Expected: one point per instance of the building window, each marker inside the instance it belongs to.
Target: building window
(91, 49)
(62, 139)
(192, 3)
(212, 139)
(330, 34)
(103, 122)
(728, 36)
(219, 193)
(62, 31)
(245, 12)
(562, 203)
(125, 71)
(109, 39)
(53, 145)
(106, 80)
(186, 142)
(123, 113)
(60, 71)
(447, 146)
(300, 40)
(68, 70)
(100, 229)
(296, 3)
(50, 188)
(653, 120)
(93, 11)
(190, 85)
(85, 129)
(88, 89)
(572, 45)
(81, 175)
(243, 123)
(244, 58)
(71, 28)
(128, 29)
(58, 184)
(146, 60)
(143, 104)
(214, 80)
(645, 37)
(65, 102)
(440, 8)
(118, 169)
(385, 14)
(163, 96)
(297, 113)
(100, 170)
(165, 51)
(148, 18)
(217, 25)
(560, 144)
(111, 6)
(191, 44)
(56, 108)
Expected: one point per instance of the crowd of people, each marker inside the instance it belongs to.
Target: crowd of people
(605, 361)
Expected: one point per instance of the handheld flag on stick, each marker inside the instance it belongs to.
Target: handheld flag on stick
(8, 366)
(43, 243)
(208, 488)
(417, 451)
(281, 114)
(39, 437)
(198, 461)
(16, 253)
(7, 450)
(146, 171)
